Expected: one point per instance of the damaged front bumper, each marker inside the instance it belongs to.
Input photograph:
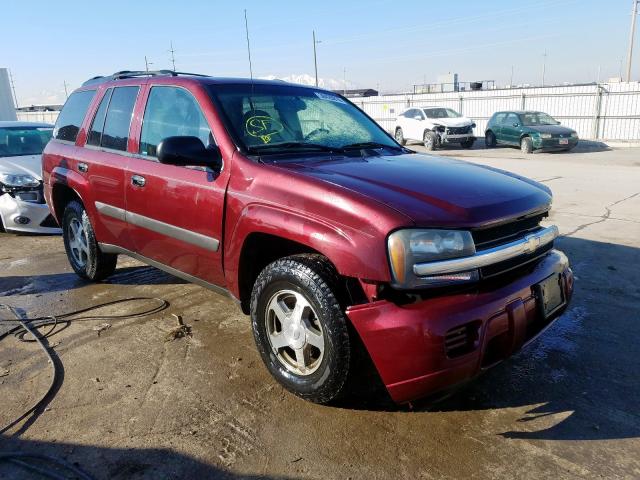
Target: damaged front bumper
(20, 215)
(437, 343)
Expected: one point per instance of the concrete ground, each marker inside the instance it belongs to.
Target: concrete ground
(133, 405)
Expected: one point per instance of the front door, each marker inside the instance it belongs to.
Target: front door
(175, 213)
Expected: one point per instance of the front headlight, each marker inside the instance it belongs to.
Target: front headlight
(546, 135)
(574, 134)
(18, 180)
(412, 246)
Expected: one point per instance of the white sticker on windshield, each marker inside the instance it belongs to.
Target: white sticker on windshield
(328, 96)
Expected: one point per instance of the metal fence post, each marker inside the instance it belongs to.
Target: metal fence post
(460, 109)
(597, 113)
(522, 104)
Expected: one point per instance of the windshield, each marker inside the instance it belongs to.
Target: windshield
(269, 119)
(16, 141)
(441, 113)
(537, 118)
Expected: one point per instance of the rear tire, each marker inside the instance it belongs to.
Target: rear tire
(81, 246)
(489, 140)
(300, 328)
(526, 145)
(430, 140)
(399, 136)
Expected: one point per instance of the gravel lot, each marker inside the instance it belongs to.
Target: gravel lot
(133, 405)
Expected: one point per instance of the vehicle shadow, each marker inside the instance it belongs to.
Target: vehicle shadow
(579, 379)
(109, 463)
(56, 282)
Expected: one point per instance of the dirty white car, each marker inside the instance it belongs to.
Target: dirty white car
(434, 126)
(22, 205)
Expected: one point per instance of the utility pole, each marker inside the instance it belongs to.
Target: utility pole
(511, 80)
(344, 73)
(147, 63)
(315, 58)
(173, 57)
(66, 92)
(544, 65)
(632, 33)
(13, 87)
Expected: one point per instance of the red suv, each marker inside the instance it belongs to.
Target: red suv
(295, 203)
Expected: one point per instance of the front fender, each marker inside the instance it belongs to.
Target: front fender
(354, 253)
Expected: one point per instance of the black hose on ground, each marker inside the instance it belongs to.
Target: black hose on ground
(23, 326)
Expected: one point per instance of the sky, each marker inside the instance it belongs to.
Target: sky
(384, 44)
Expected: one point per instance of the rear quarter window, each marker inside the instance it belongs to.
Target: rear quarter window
(72, 115)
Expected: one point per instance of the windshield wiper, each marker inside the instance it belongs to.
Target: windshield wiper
(293, 145)
(369, 145)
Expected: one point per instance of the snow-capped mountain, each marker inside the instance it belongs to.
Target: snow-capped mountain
(306, 79)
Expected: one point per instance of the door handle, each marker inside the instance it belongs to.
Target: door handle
(83, 167)
(138, 180)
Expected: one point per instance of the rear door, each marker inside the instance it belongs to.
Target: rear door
(175, 213)
(105, 159)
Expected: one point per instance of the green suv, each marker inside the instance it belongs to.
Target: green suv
(530, 131)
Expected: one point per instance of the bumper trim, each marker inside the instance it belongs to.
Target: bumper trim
(528, 244)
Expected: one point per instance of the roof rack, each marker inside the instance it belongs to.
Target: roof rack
(137, 73)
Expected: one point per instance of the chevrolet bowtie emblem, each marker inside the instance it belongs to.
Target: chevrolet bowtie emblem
(531, 243)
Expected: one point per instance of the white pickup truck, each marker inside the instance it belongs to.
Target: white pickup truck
(434, 126)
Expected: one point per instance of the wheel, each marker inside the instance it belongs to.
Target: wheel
(299, 327)
(399, 136)
(467, 143)
(430, 140)
(526, 145)
(81, 246)
(489, 140)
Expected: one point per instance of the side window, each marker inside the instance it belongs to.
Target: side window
(72, 115)
(171, 112)
(118, 120)
(420, 114)
(499, 118)
(511, 119)
(95, 132)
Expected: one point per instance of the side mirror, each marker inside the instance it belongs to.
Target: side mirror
(516, 124)
(188, 151)
(417, 117)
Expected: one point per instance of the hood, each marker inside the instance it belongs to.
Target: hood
(27, 164)
(452, 122)
(432, 191)
(552, 129)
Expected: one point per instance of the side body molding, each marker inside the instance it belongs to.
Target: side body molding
(157, 226)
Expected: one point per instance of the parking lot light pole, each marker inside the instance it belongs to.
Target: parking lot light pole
(632, 33)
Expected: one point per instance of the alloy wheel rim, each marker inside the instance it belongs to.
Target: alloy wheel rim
(428, 141)
(399, 136)
(78, 242)
(295, 334)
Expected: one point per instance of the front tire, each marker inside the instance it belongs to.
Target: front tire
(81, 246)
(399, 136)
(299, 327)
(467, 143)
(430, 140)
(526, 145)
